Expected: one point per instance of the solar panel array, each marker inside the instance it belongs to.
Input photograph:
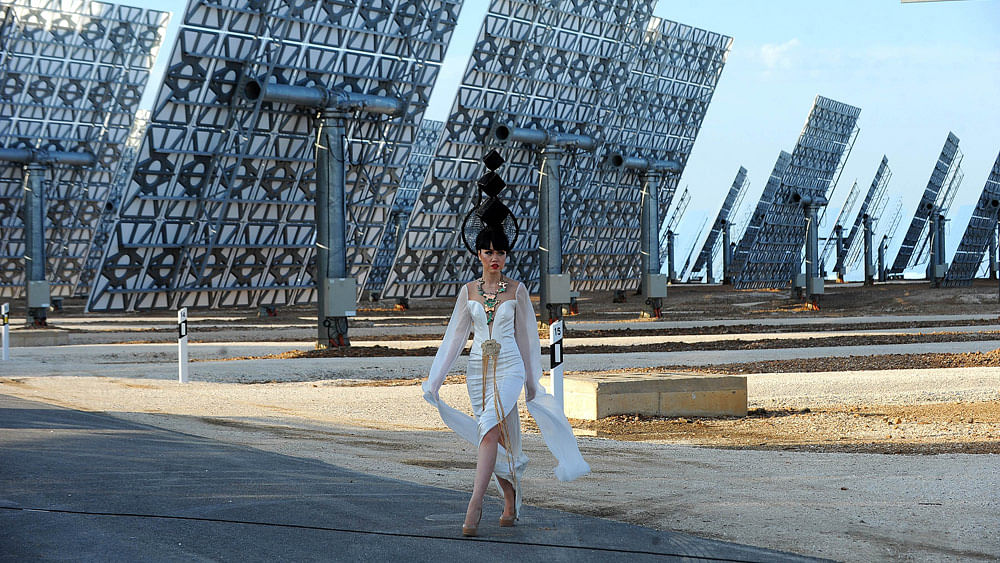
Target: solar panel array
(670, 87)
(918, 225)
(826, 137)
(604, 69)
(714, 239)
(220, 208)
(949, 189)
(72, 73)
(976, 240)
(845, 210)
(424, 149)
(872, 205)
(742, 250)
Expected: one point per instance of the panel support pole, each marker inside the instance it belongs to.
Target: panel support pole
(670, 256)
(882, 247)
(36, 288)
(838, 231)
(727, 254)
(869, 265)
(332, 283)
(549, 232)
(649, 247)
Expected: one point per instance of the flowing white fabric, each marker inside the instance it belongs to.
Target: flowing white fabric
(519, 365)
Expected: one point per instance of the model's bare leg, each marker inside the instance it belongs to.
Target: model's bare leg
(509, 508)
(484, 468)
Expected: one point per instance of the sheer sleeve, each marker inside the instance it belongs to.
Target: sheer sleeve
(526, 335)
(547, 412)
(455, 338)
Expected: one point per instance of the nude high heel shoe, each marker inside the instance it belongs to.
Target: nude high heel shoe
(508, 521)
(473, 531)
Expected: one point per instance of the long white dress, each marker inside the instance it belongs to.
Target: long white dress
(493, 398)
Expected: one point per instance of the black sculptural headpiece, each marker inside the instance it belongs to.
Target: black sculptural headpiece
(489, 213)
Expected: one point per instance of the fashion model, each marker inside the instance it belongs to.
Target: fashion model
(505, 357)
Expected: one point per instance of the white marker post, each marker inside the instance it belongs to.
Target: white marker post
(556, 357)
(5, 316)
(182, 345)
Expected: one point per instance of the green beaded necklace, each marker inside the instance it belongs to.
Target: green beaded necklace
(490, 300)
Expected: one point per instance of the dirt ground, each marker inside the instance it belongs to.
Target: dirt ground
(859, 458)
(945, 427)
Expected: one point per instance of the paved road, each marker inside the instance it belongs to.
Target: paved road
(87, 486)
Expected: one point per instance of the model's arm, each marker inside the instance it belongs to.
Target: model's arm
(526, 335)
(452, 344)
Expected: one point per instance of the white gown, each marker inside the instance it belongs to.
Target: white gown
(519, 366)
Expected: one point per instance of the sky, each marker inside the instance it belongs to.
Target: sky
(916, 70)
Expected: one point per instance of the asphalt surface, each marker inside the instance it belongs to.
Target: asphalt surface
(85, 486)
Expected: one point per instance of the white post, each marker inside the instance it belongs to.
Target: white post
(5, 315)
(182, 344)
(556, 357)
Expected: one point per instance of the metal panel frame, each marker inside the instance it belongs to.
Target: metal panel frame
(72, 73)
(572, 67)
(410, 185)
(872, 205)
(710, 249)
(220, 208)
(918, 225)
(982, 225)
(825, 139)
(749, 236)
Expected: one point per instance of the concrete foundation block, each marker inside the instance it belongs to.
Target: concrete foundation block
(38, 337)
(595, 396)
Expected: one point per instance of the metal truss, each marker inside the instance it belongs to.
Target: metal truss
(604, 69)
(714, 239)
(220, 210)
(897, 216)
(694, 244)
(749, 235)
(831, 241)
(918, 226)
(72, 73)
(671, 226)
(816, 159)
(872, 205)
(976, 240)
(412, 181)
(942, 203)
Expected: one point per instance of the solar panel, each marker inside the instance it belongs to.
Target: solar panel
(411, 183)
(942, 204)
(72, 73)
(757, 219)
(671, 84)
(982, 225)
(875, 196)
(826, 137)
(714, 239)
(219, 211)
(831, 241)
(604, 69)
(694, 244)
(918, 226)
(669, 231)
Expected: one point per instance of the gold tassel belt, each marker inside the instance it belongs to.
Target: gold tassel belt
(491, 355)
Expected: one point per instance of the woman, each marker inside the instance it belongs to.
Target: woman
(505, 357)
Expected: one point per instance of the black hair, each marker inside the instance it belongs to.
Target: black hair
(495, 237)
